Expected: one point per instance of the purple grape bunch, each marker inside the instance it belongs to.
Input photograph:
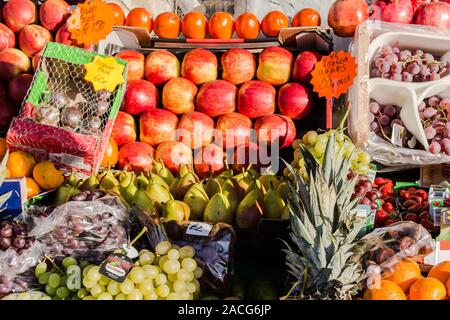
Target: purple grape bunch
(390, 62)
(382, 119)
(14, 235)
(434, 113)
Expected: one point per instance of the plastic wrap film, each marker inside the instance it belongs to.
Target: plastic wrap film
(370, 37)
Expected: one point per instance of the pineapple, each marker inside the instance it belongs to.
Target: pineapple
(324, 228)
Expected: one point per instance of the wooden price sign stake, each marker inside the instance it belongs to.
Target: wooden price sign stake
(333, 76)
(91, 22)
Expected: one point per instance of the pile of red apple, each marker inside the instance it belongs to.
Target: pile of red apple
(423, 12)
(186, 108)
(24, 32)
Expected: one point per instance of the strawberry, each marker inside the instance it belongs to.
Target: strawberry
(424, 215)
(379, 181)
(409, 203)
(406, 195)
(388, 206)
(386, 190)
(411, 190)
(416, 198)
(415, 207)
(422, 193)
(381, 216)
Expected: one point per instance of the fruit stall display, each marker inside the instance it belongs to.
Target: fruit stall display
(204, 170)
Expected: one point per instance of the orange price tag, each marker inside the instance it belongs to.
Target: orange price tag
(104, 73)
(91, 22)
(334, 74)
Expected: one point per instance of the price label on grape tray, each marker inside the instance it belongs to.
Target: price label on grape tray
(198, 229)
(104, 73)
(334, 74)
(91, 22)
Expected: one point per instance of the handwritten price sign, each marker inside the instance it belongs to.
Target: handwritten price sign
(104, 73)
(91, 22)
(333, 76)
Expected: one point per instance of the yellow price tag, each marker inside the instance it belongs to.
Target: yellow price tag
(104, 73)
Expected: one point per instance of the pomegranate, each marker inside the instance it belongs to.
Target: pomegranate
(398, 11)
(433, 14)
(344, 16)
(418, 3)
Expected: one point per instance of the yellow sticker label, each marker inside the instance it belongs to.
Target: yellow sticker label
(104, 73)
(91, 22)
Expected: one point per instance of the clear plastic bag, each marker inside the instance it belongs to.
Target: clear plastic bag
(385, 247)
(16, 273)
(87, 230)
(369, 38)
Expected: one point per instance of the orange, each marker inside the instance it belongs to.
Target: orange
(427, 289)
(247, 26)
(111, 155)
(32, 188)
(119, 16)
(139, 17)
(47, 176)
(307, 17)
(20, 164)
(221, 25)
(167, 25)
(388, 290)
(447, 286)
(405, 274)
(273, 22)
(194, 25)
(3, 147)
(441, 271)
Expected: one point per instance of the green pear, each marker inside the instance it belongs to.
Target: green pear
(157, 179)
(197, 199)
(159, 195)
(128, 192)
(184, 170)
(249, 211)
(286, 214)
(173, 210)
(233, 192)
(218, 210)
(226, 174)
(73, 180)
(64, 193)
(186, 209)
(141, 181)
(108, 181)
(166, 175)
(255, 184)
(182, 186)
(269, 181)
(273, 204)
(212, 187)
(142, 200)
(284, 190)
(90, 183)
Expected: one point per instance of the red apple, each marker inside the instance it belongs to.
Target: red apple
(33, 39)
(63, 36)
(295, 101)
(19, 13)
(275, 128)
(195, 129)
(173, 154)
(12, 63)
(304, 65)
(7, 37)
(135, 63)
(433, 14)
(140, 95)
(161, 66)
(275, 65)
(238, 66)
(36, 60)
(18, 87)
(178, 95)
(256, 98)
(199, 66)
(216, 98)
(233, 129)
(53, 14)
(136, 156)
(124, 129)
(157, 126)
(7, 112)
(209, 160)
(418, 3)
